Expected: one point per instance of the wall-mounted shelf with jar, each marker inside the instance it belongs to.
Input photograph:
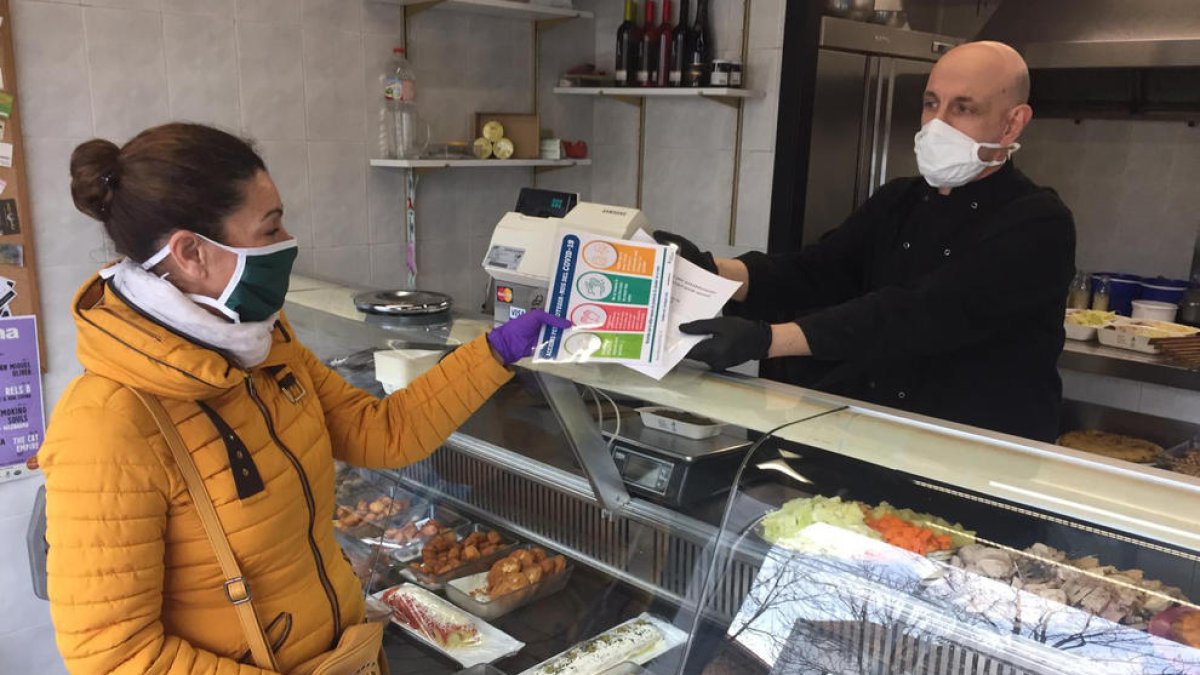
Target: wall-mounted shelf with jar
(728, 95)
(477, 163)
(502, 8)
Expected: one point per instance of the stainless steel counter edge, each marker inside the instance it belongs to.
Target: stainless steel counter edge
(1086, 357)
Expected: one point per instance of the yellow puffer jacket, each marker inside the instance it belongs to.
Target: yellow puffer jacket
(134, 584)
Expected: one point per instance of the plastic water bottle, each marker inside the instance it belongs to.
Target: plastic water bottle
(403, 80)
(399, 89)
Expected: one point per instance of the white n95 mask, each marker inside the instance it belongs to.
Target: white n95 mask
(948, 158)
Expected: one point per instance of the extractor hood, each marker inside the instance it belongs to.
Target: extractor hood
(1099, 33)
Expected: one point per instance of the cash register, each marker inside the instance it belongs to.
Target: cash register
(522, 249)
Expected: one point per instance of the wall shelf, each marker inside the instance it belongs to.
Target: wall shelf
(476, 163)
(501, 8)
(724, 94)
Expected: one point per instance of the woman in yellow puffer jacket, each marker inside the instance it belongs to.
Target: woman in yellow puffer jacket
(192, 315)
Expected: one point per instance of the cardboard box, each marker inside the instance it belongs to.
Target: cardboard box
(523, 130)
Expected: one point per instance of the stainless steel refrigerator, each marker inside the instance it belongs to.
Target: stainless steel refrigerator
(859, 112)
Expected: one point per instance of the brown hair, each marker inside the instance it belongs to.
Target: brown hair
(170, 177)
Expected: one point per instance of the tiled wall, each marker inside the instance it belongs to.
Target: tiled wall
(1149, 399)
(297, 77)
(293, 75)
(687, 182)
(1131, 186)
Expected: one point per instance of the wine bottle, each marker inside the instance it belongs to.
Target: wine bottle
(629, 40)
(679, 46)
(648, 54)
(662, 78)
(700, 58)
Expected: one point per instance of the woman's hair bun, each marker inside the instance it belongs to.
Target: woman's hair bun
(95, 172)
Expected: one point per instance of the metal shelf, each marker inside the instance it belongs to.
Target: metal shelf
(666, 92)
(500, 8)
(476, 163)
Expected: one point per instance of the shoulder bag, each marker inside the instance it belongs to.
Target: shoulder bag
(359, 650)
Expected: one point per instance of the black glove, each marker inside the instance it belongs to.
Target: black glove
(734, 341)
(687, 249)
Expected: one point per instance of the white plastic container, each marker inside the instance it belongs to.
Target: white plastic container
(397, 368)
(1154, 310)
(673, 422)
(1075, 331)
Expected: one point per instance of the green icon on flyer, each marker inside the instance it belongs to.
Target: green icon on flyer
(614, 288)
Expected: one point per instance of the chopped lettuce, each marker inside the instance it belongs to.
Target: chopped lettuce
(797, 514)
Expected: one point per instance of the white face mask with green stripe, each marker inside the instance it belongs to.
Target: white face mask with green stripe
(258, 286)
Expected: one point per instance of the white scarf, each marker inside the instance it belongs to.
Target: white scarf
(249, 342)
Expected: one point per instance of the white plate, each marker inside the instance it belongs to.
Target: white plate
(495, 643)
(672, 637)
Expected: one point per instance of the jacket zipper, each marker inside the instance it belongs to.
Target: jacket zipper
(312, 512)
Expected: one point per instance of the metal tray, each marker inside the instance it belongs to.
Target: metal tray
(1176, 458)
(459, 590)
(372, 533)
(438, 582)
(419, 517)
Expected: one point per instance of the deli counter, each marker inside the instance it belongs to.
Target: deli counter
(564, 530)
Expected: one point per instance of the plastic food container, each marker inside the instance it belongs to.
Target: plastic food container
(1154, 310)
(402, 547)
(436, 582)
(371, 564)
(1077, 332)
(459, 591)
(1162, 289)
(679, 422)
(1124, 334)
(386, 514)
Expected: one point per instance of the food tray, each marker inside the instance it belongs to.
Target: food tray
(371, 492)
(667, 419)
(495, 645)
(1118, 334)
(459, 590)
(419, 516)
(1183, 458)
(370, 563)
(482, 563)
(672, 637)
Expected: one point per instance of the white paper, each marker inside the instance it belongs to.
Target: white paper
(616, 294)
(696, 294)
(6, 154)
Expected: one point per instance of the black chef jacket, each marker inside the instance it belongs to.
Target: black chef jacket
(945, 305)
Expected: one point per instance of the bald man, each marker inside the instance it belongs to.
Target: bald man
(943, 294)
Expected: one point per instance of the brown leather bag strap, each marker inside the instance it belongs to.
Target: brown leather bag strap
(237, 588)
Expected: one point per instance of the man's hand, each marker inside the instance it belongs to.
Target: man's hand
(734, 341)
(689, 251)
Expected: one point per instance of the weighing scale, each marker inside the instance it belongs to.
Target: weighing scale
(671, 469)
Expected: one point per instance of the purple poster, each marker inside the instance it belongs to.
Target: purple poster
(22, 417)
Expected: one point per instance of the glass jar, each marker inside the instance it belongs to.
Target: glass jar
(720, 73)
(735, 73)
(1102, 294)
(1081, 293)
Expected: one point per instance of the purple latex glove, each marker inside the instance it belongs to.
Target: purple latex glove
(516, 339)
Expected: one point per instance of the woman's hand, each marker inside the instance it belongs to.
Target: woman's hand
(516, 339)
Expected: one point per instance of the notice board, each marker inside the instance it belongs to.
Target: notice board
(18, 265)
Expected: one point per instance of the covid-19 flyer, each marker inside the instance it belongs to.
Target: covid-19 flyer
(616, 293)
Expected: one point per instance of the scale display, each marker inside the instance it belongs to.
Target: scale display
(645, 472)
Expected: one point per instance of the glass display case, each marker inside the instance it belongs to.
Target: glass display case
(723, 524)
